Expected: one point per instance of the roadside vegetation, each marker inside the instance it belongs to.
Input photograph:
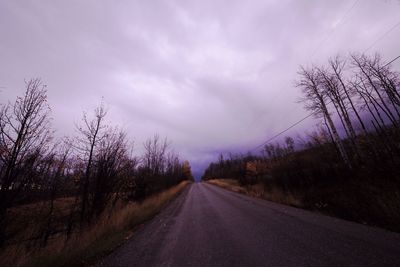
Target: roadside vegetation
(65, 200)
(111, 230)
(260, 191)
(348, 167)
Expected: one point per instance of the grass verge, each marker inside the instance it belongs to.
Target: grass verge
(259, 191)
(375, 204)
(86, 247)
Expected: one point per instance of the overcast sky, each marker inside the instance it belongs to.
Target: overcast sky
(210, 75)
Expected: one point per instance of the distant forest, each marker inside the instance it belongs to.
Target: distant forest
(352, 156)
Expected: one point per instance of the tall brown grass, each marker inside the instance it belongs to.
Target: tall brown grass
(229, 184)
(367, 201)
(101, 238)
(260, 191)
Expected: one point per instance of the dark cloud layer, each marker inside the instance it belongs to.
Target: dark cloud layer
(210, 75)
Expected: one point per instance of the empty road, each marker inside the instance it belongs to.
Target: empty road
(210, 226)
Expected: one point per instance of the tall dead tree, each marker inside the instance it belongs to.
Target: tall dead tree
(371, 86)
(111, 160)
(91, 133)
(24, 137)
(316, 101)
(154, 160)
(332, 88)
(337, 66)
(54, 184)
(387, 80)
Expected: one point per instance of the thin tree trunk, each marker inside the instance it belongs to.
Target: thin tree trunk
(335, 134)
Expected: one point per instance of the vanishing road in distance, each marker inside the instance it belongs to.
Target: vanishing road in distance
(210, 226)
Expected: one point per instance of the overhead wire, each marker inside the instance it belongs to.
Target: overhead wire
(313, 113)
(341, 20)
(344, 16)
(338, 24)
(303, 119)
(382, 36)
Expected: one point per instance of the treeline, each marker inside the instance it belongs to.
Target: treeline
(354, 153)
(94, 170)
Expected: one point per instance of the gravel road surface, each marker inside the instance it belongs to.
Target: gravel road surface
(210, 226)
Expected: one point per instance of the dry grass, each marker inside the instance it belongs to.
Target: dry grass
(26, 220)
(86, 247)
(229, 184)
(259, 191)
(360, 201)
(276, 195)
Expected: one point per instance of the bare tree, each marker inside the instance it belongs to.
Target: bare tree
(91, 134)
(330, 88)
(315, 100)
(333, 87)
(289, 142)
(111, 162)
(154, 157)
(57, 165)
(154, 160)
(372, 87)
(24, 137)
(337, 65)
(386, 79)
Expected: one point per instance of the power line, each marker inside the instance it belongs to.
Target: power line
(338, 24)
(334, 29)
(284, 131)
(373, 44)
(393, 60)
(341, 20)
(344, 16)
(382, 36)
(304, 118)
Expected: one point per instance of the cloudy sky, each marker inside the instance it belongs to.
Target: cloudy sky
(210, 75)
